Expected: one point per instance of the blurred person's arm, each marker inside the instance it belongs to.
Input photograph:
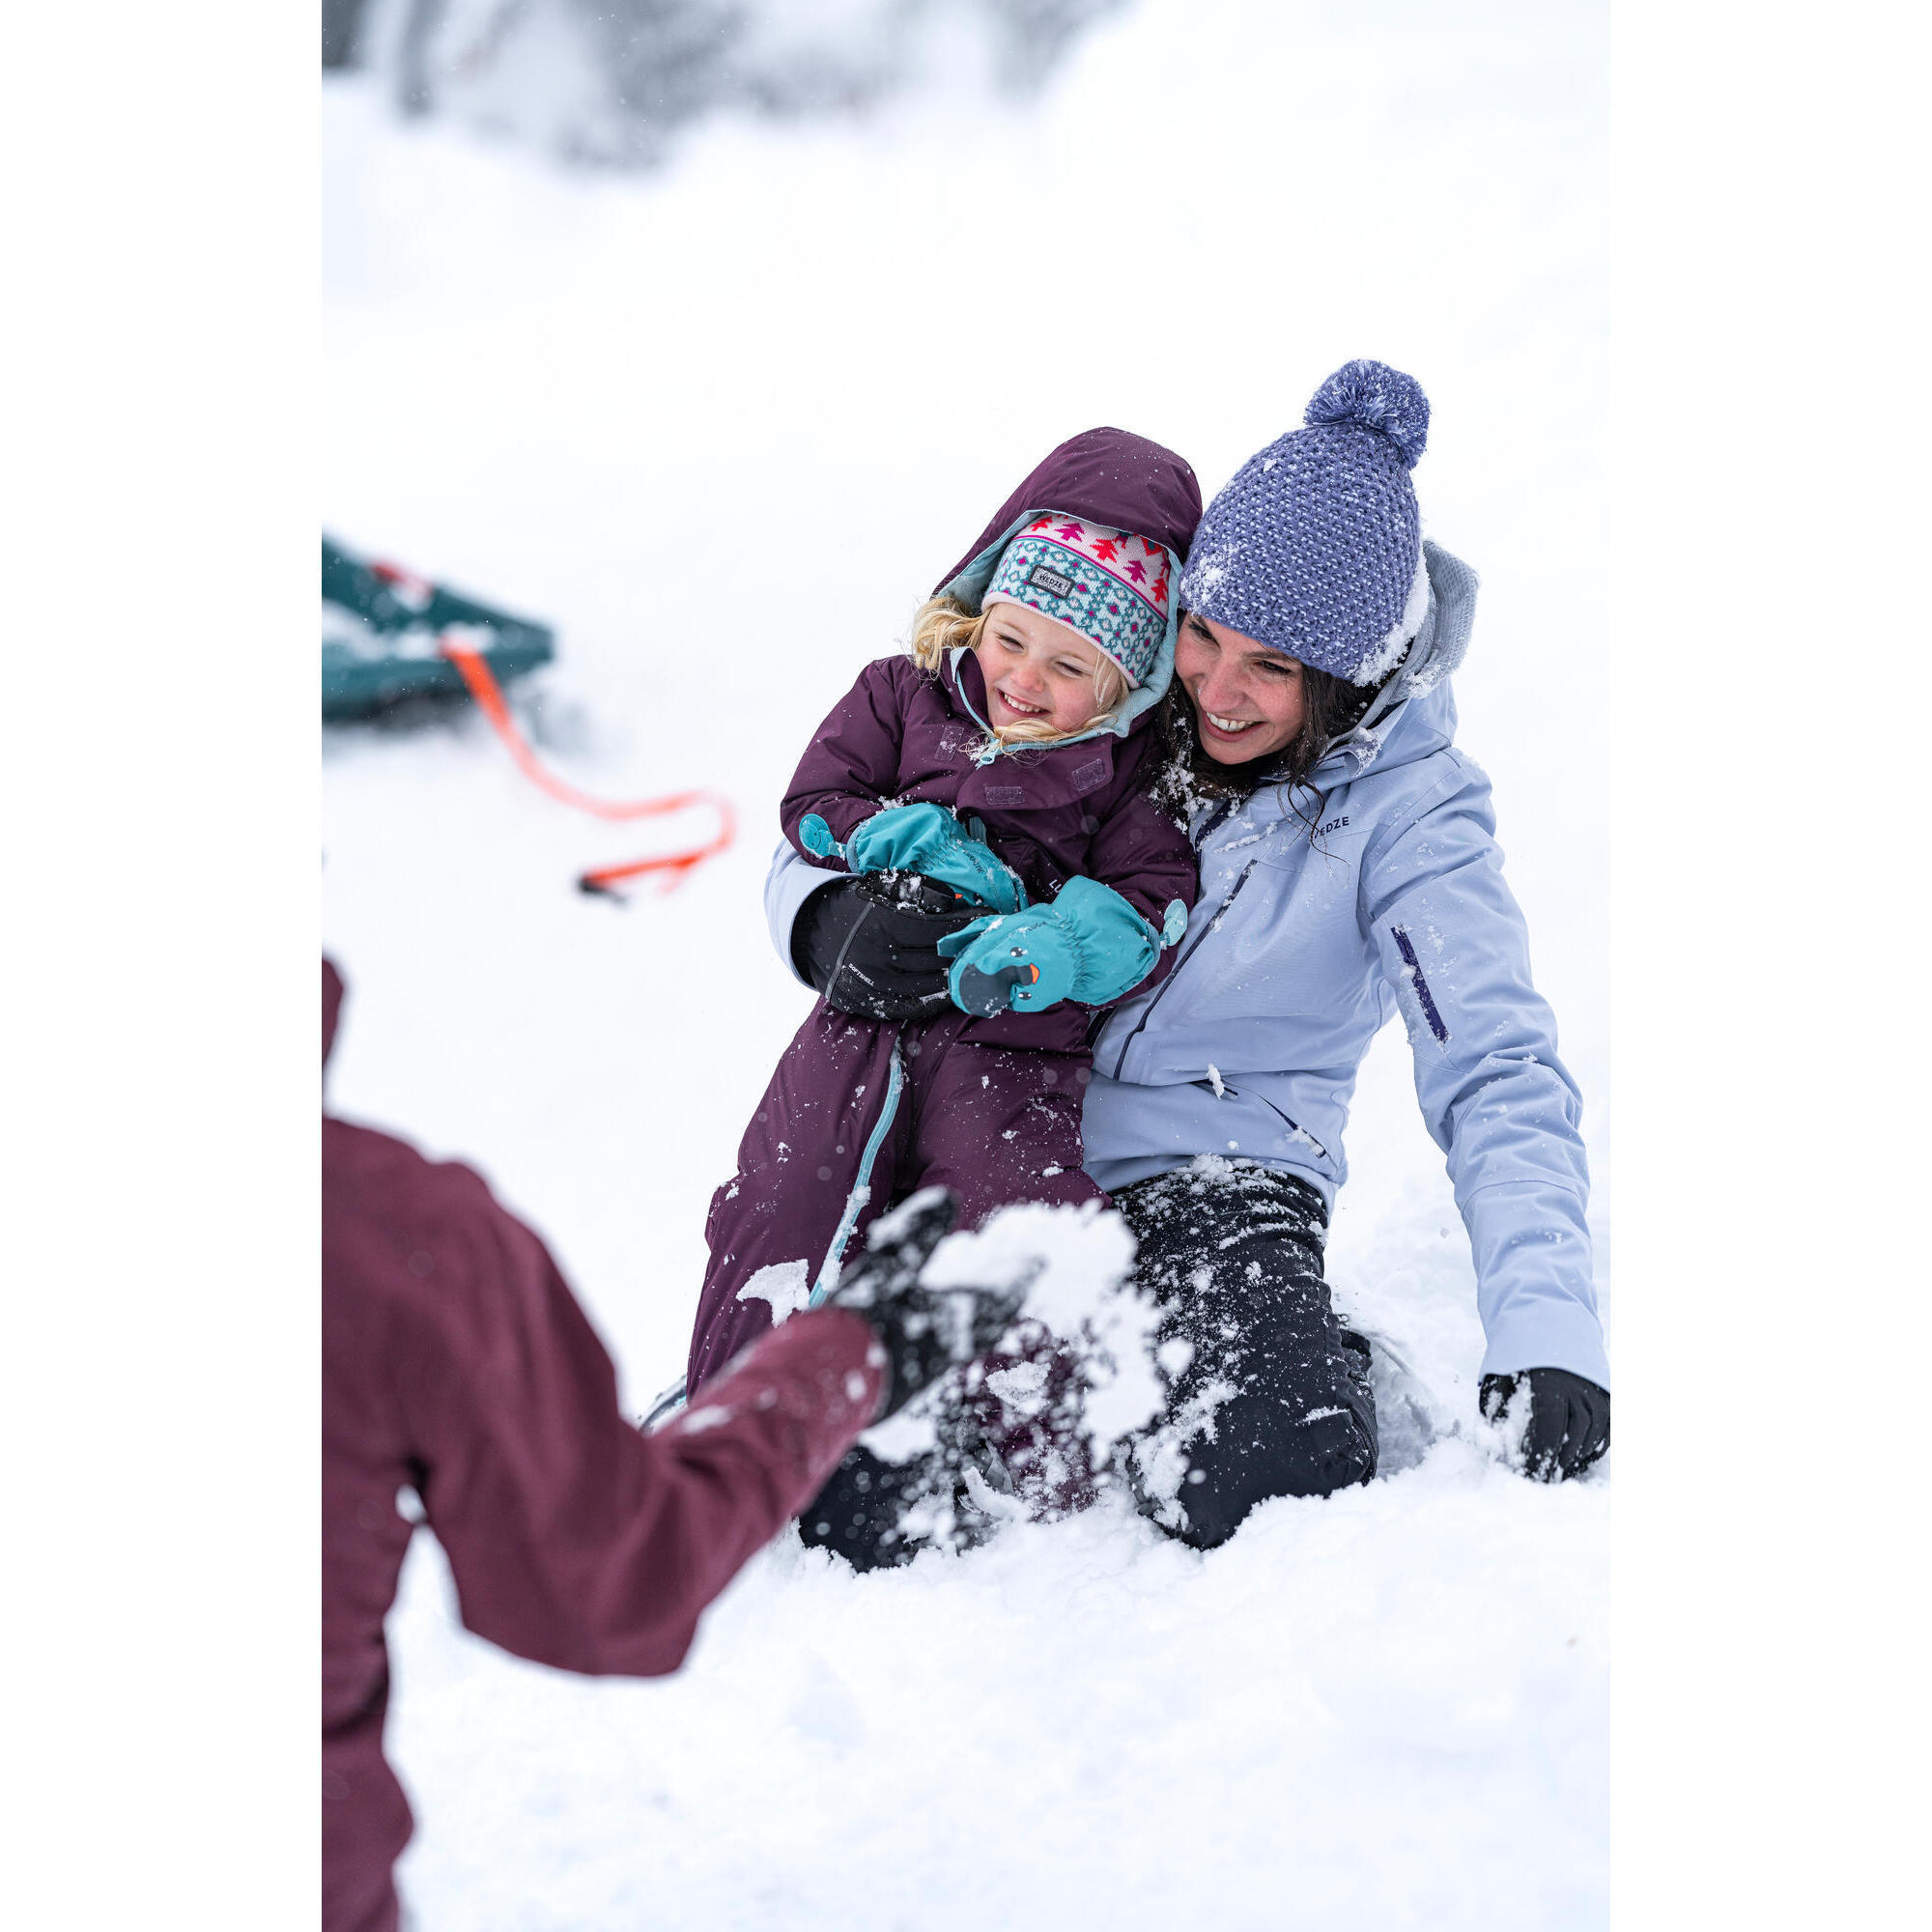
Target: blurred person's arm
(575, 1540)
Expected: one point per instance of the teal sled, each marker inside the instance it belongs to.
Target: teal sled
(382, 630)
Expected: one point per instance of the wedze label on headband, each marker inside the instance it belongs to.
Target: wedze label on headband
(1050, 580)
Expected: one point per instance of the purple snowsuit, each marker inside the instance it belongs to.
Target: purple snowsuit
(990, 1107)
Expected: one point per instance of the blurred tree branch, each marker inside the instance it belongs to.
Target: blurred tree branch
(612, 82)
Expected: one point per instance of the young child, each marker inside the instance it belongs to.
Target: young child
(1007, 760)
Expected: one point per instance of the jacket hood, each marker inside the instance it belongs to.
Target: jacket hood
(1108, 476)
(1414, 714)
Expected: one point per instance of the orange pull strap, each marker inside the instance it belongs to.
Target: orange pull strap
(676, 866)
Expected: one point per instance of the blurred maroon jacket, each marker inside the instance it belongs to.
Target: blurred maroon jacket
(456, 1361)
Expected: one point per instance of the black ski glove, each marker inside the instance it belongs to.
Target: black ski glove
(924, 1331)
(1568, 1419)
(868, 945)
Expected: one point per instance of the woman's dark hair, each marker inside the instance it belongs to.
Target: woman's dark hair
(1335, 706)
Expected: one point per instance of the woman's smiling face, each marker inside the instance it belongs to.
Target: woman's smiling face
(1249, 700)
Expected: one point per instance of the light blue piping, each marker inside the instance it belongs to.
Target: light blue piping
(992, 748)
(861, 1188)
(673, 1398)
(667, 1405)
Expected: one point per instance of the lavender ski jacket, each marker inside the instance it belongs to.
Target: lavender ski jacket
(1298, 950)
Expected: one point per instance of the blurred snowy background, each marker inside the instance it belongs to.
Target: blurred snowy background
(613, 82)
(640, 317)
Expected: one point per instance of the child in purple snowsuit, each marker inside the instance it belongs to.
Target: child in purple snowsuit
(1006, 760)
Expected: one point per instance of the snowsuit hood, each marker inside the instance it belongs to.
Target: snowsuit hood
(1111, 478)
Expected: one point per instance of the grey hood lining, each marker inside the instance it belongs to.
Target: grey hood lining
(1438, 650)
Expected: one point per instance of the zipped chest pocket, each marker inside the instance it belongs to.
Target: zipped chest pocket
(1228, 1089)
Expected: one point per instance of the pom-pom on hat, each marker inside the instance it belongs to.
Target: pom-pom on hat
(1314, 548)
(1110, 587)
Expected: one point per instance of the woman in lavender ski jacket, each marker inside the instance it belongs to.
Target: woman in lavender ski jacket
(1347, 868)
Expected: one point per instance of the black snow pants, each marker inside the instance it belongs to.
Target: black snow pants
(1267, 1395)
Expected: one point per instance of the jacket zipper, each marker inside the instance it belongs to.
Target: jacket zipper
(1294, 1126)
(1179, 965)
(1227, 1088)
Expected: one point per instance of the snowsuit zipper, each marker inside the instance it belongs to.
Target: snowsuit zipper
(862, 1187)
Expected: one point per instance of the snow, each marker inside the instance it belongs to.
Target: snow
(722, 426)
(694, 1421)
(786, 1285)
(1076, 1263)
(1390, 652)
(1383, 1710)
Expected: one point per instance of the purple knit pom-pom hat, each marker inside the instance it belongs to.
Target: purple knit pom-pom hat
(1314, 547)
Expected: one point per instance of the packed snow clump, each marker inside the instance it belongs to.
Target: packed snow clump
(1076, 1264)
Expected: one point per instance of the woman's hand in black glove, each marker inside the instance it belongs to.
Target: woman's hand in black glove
(868, 945)
(924, 1331)
(1569, 1423)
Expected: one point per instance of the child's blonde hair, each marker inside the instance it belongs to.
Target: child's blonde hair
(944, 624)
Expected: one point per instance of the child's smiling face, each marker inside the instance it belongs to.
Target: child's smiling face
(1036, 671)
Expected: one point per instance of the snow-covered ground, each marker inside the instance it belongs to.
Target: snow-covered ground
(722, 426)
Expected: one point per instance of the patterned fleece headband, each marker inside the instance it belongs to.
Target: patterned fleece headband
(1109, 586)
